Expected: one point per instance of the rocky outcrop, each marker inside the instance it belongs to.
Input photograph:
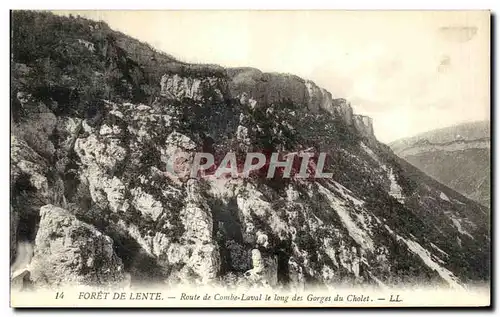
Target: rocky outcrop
(263, 89)
(377, 220)
(364, 125)
(458, 156)
(69, 252)
(264, 271)
(14, 222)
(460, 133)
(209, 89)
(455, 146)
(257, 89)
(266, 88)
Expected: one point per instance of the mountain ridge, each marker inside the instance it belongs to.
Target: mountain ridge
(466, 131)
(458, 156)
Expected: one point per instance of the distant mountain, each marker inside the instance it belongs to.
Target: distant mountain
(457, 156)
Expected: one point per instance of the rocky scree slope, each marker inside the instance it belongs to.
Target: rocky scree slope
(457, 156)
(95, 116)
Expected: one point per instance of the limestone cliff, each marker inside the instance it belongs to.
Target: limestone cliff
(70, 252)
(264, 89)
(458, 156)
(364, 125)
(96, 143)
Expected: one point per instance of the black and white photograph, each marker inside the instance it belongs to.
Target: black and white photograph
(250, 158)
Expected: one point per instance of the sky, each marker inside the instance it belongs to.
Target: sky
(410, 71)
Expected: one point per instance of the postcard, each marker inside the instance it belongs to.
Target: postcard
(250, 159)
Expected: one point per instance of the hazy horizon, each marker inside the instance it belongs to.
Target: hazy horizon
(410, 71)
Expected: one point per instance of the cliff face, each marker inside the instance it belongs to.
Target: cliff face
(457, 156)
(104, 161)
(258, 89)
(199, 89)
(265, 89)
